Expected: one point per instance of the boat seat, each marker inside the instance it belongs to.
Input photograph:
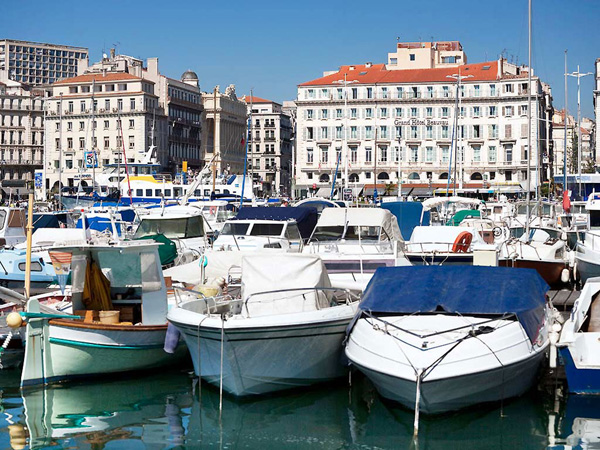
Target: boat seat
(594, 325)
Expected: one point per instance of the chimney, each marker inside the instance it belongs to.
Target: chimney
(112, 53)
(368, 65)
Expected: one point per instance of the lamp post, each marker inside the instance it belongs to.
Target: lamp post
(345, 82)
(578, 75)
(399, 168)
(458, 77)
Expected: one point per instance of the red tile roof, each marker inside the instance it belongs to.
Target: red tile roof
(253, 99)
(99, 77)
(377, 73)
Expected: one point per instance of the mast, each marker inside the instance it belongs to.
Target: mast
(93, 136)
(214, 167)
(565, 120)
(60, 153)
(528, 129)
(251, 144)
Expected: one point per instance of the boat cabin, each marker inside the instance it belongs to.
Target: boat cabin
(12, 226)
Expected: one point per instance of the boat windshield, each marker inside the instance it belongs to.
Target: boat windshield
(544, 210)
(181, 228)
(216, 213)
(2, 219)
(266, 229)
(235, 228)
(353, 232)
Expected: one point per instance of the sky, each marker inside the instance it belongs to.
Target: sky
(272, 46)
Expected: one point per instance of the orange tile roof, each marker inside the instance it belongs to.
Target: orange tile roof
(253, 99)
(99, 77)
(378, 73)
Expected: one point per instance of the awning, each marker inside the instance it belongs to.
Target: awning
(323, 192)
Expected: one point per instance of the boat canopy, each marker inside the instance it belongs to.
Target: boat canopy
(364, 217)
(459, 289)
(435, 202)
(305, 217)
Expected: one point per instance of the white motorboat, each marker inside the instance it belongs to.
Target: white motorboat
(121, 280)
(12, 226)
(284, 331)
(440, 338)
(579, 342)
(354, 242)
(587, 253)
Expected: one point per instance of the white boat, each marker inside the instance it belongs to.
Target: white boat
(440, 338)
(284, 331)
(354, 242)
(579, 342)
(215, 213)
(587, 253)
(12, 226)
(118, 279)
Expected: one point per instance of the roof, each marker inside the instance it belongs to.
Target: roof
(459, 289)
(367, 217)
(305, 216)
(377, 73)
(98, 77)
(253, 99)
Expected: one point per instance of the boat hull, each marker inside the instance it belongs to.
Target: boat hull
(582, 380)
(455, 393)
(267, 359)
(75, 350)
(550, 271)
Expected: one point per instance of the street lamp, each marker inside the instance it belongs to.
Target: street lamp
(399, 154)
(345, 82)
(458, 77)
(578, 75)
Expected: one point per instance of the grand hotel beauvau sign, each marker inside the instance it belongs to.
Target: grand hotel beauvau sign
(414, 121)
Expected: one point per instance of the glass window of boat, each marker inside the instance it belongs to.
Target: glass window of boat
(330, 233)
(363, 233)
(2, 218)
(171, 228)
(35, 266)
(235, 228)
(594, 219)
(122, 271)
(292, 232)
(266, 229)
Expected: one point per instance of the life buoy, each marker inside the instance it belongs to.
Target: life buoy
(462, 242)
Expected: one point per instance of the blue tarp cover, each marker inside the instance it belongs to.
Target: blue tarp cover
(408, 215)
(459, 289)
(305, 216)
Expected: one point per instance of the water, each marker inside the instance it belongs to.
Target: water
(170, 410)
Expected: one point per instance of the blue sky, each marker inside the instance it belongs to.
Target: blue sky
(271, 46)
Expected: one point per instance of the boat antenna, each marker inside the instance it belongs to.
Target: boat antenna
(528, 197)
(125, 158)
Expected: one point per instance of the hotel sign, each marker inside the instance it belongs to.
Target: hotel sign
(414, 121)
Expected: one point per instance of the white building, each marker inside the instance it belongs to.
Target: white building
(37, 63)
(21, 134)
(85, 114)
(269, 147)
(370, 116)
(230, 128)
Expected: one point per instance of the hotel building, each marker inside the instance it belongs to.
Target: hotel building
(406, 119)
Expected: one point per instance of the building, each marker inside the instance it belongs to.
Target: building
(379, 120)
(269, 147)
(182, 102)
(37, 63)
(110, 110)
(597, 110)
(558, 140)
(224, 117)
(289, 108)
(21, 134)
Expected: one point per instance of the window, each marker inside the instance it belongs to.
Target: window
(338, 114)
(354, 132)
(508, 149)
(492, 90)
(106, 124)
(523, 110)
(69, 126)
(476, 131)
(412, 56)
(69, 163)
(340, 93)
(445, 111)
(71, 107)
(492, 154)
(445, 91)
(82, 105)
(400, 92)
(106, 142)
(383, 131)
(429, 111)
(369, 92)
(508, 131)
(324, 133)
(310, 133)
(324, 114)
(413, 112)
(309, 113)
(413, 132)
(429, 132)
(384, 92)
(508, 88)
(476, 111)
(69, 143)
(414, 153)
(106, 104)
(353, 154)
(324, 154)
(368, 132)
(477, 153)
(310, 93)
(368, 113)
(398, 112)
(383, 113)
(310, 157)
(81, 126)
(131, 123)
(444, 131)
(368, 154)
(338, 154)
(338, 132)
(493, 111)
(429, 154)
(398, 131)
(132, 104)
(429, 91)
(383, 153)
(353, 113)
(354, 93)
(476, 91)
(81, 143)
(131, 142)
(508, 111)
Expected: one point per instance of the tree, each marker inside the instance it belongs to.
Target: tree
(588, 166)
(573, 154)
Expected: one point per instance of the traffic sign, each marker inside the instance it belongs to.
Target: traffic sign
(91, 162)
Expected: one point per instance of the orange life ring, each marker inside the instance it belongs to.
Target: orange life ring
(462, 242)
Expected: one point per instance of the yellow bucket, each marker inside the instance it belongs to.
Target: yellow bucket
(109, 317)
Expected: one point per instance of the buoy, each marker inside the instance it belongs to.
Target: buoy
(14, 320)
(565, 275)
(553, 336)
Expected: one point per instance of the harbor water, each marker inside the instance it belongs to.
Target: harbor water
(173, 410)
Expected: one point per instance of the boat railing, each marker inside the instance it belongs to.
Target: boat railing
(432, 247)
(323, 297)
(222, 303)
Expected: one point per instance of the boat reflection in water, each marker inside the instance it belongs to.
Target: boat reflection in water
(146, 410)
(580, 424)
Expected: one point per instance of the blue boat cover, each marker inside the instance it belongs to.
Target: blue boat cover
(408, 215)
(305, 216)
(467, 290)
(48, 220)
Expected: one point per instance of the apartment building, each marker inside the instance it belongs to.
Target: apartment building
(269, 146)
(21, 134)
(36, 63)
(406, 120)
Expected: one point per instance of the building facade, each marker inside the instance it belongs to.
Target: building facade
(21, 134)
(596, 134)
(224, 125)
(37, 63)
(405, 121)
(269, 147)
(114, 114)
